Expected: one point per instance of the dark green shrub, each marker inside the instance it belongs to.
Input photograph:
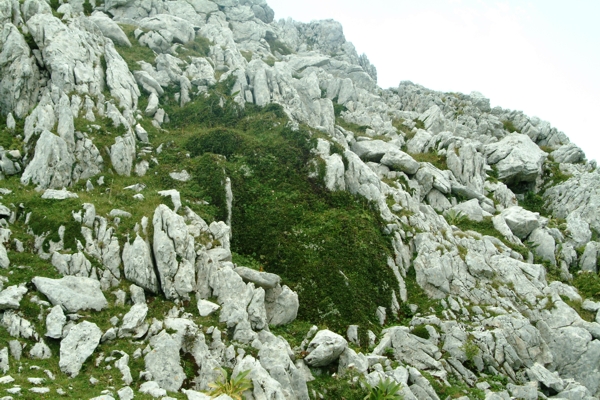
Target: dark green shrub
(87, 7)
(221, 141)
(421, 331)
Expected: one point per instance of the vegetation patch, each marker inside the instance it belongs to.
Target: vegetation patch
(432, 157)
(327, 246)
(510, 126)
(136, 52)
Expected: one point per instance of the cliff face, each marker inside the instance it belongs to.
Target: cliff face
(189, 186)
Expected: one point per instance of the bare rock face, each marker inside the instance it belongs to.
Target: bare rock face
(163, 362)
(19, 73)
(138, 265)
(174, 253)
(282, 305)
(10, 298)
(77, 346)
(520, 221)
(71, 54)
(52, 163)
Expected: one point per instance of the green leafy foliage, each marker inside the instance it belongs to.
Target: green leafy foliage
(199, 47)
(534, 202)
(384, 390)
(234, 387)
(588, 285)
(455, 217)
(87, 7)
(421, 331)
(327, 246)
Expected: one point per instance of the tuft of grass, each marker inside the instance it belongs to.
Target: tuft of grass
(419, 124)
(588, 285)
(510, 126)
(199, 47)
(534, 202)
(432, 157)
(421, 332)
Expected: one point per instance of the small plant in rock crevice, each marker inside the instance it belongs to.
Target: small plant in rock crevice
(234, 387)
(386, 389)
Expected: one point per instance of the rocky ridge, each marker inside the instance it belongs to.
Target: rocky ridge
(489, 215)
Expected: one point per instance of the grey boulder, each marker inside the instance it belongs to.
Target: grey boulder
(163, 362)
(400, 161)
(325, 348)
(110, 28)
(265, 280)
(77, 346)
(73, 293)
(11, 297)
(516, 158)
(520, 221)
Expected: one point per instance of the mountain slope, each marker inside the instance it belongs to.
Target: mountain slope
(201, 184)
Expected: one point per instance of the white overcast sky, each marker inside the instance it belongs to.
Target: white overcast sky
(538, 56)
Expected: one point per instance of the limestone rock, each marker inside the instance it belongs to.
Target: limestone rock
(325, 348)
(589, 258)
(119, 79)
(544, 245)
(10, 298)
(53, 194)
(122, 154)
(471, 210)
(77, 346)
(281, 305)
(109, 28)
(138, 265)
(174, 253)
(516, 158)
(51, 164)
(206, 308)
(520, 221)
(40, 351)
(400, 161)
(55, 322)
(72, 293)
(133, 319)
(163, 362)
(265, 280)
(19, 73)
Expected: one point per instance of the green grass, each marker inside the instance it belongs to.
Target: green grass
(336, 387)
(359, 130)
(588, 285)
(136, 52)
(486, 227)
(438, 161)
(534, 202)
